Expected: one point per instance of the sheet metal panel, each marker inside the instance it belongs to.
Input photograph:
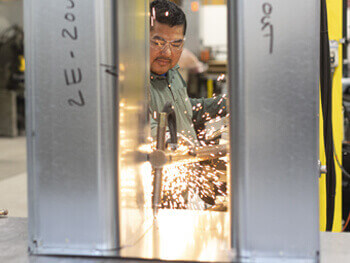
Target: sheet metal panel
(86, 117)
(274, 49)
(133, 88)
(66, 168)
(71, 81)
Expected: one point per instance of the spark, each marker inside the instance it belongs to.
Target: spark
(221, 77)
(184, 185)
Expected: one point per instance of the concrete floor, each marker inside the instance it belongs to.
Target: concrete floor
(13, 176)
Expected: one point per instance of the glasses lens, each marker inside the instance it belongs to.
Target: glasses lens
(177, 44)
(158, 43)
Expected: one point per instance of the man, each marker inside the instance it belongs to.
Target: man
(167, 37)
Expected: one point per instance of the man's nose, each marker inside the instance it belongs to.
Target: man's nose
(166, 50)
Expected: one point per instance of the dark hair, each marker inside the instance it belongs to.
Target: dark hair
(174, 17)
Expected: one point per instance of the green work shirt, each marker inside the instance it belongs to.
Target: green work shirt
(172, 88)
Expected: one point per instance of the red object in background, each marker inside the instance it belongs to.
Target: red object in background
(195, 6)
(205, 55)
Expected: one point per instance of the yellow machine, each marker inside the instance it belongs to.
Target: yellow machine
(335, 11)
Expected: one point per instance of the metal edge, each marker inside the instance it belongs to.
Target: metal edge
(30, 124)
(116, 121)
(50, 251)
(106, 129)
(317, 114)
(237, 130)
(148, 68)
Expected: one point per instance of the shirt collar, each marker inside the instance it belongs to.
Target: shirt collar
(170, 75)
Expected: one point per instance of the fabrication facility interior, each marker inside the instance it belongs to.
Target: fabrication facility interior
(84, 179)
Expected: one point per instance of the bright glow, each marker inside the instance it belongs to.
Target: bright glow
(194, 6)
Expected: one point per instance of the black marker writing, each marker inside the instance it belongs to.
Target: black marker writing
(70, 17)
(267, 25)
(110, 69)
(72, 76)
(71, 4)
(73, 35)
(81, 102)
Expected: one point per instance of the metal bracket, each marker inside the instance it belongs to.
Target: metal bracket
(334, 53)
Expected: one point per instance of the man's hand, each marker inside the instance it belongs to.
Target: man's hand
(181, 141)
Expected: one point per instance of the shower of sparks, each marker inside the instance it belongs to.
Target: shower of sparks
(181, 183)
(186, 186)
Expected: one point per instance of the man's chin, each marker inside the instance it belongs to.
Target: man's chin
(159, 71)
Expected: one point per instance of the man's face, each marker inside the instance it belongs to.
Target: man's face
(165, 57)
